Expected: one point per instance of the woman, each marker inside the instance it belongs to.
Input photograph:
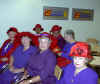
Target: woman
(78, 72)
(65, 59)
(38, 30)
(56, 33)
(69, 36)
(19, 58)
(9, 46)
(42, 64)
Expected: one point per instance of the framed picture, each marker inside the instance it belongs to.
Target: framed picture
(82, 14)
(55, 13)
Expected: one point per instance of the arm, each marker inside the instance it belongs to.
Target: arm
(11, 67)
(11, 63)
(32, 80)
(93, 80)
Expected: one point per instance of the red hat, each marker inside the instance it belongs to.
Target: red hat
(56, 28)
(38, 26)
(81, 49)
(28, 34)
(14, 29)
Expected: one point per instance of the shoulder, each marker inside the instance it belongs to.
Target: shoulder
(91, 73)
(69, 67)
(51, 54)
(34, 49)
(68, 70)
(5, 42)
(19, 47)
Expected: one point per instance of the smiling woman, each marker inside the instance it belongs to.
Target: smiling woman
(19, 58)
(78, 71)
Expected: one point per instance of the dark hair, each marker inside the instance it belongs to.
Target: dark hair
(71, 33)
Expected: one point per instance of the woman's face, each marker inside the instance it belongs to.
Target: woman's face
(11, 35)
(38, 30)
(79, 62)
(56, 33)
(44, 44)
(25, 41)
(68, 38)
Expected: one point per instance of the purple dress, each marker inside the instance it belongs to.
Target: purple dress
(43, 64)
(86, 76)
(20, 61)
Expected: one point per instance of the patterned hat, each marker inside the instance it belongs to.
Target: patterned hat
(14, 29)
(81, 49)
(38, 26)
(56, 28)
(28, 34)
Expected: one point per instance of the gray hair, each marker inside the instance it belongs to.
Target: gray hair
(70, 32)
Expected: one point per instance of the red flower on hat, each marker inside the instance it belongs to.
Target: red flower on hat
(38, 26)
(81, 49)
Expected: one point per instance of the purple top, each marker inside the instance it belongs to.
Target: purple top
(86, 76)
(43, 64)
(20, 61)
(21, 57)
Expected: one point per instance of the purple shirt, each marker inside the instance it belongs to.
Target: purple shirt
(43, 64)
(86, 76)
(20, 61)
(21, 57)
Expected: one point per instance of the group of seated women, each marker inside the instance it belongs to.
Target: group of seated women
(32, 58)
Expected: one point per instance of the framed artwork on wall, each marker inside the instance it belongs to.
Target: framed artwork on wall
(55, 13)
(82, 14)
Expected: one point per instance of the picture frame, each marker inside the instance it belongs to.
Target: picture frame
(55, 13)
(82, 14)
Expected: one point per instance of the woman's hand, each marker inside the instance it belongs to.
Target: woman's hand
(18, 70)
(12, 69)
(24, 82)
(24, 77)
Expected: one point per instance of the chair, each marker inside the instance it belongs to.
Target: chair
(58, 72)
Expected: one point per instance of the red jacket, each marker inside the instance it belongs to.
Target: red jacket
(15, 45)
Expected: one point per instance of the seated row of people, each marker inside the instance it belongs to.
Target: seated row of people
(37, 55)
(38, 63)
(57, 43)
